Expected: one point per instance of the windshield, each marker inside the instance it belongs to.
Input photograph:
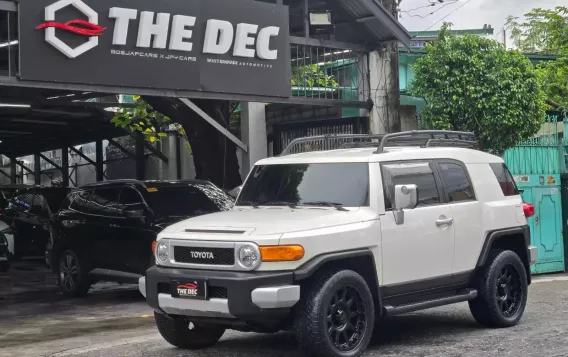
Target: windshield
(345, 184)
(190, 200)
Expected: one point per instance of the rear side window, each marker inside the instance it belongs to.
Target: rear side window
(456, 182)
(505, 179)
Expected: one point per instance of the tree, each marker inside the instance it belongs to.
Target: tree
(541, 31)
(474, 84)
(214, 156)
(546, 31)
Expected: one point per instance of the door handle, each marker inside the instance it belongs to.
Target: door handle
(114, 225)
(443, 222)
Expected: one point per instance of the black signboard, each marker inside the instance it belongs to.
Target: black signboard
(223, 46)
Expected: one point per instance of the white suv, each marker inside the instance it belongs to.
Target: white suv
(326, 242)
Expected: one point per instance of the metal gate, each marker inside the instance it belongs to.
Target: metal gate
(537, 165)
(285, 133)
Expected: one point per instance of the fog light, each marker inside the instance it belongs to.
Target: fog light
(162, 254)
(248, 257)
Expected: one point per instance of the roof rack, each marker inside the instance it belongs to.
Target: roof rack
(429, 138)
(421, 138)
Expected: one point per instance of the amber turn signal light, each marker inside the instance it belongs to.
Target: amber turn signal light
(154, 244)
(281, 253)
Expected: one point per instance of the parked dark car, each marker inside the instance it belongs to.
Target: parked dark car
(4, 254)
(30, 212)
(105, 231)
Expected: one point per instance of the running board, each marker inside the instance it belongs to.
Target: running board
(114, 275)
(466, 295)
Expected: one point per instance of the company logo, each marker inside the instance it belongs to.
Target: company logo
(162, 31)
(202, 255)
(188, 289)
(88, 28)
(187, 286)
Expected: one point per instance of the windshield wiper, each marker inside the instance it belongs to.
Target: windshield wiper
(335, 205)
(279, 203)
(247, 203)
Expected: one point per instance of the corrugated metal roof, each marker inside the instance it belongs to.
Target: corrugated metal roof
(377, 19)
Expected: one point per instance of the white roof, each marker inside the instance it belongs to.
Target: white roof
(391, 154)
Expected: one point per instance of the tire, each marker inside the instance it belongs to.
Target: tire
(72, 276)
(178, 332)
(324, 311)
(4, 267)
(502, 290)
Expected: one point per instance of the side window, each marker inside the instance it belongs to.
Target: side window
(411, 173)
(130, 199)
(104, 202)
(39, 206)
(505, 179)
(456, 182)
(80, 202)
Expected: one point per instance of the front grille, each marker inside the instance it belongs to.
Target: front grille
(214, 291)
(217, 292)
(164, 288)
(212, 256)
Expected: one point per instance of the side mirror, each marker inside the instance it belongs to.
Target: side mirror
(235, 191)
(405, 197)
(134, 214)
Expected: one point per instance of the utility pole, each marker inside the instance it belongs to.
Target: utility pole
(384, 83)
(505, 37)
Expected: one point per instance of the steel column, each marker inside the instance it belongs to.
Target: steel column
(37, 169)
(178, 157)
(65, 166)
(99, 161)
(13, 173)
(140, 157)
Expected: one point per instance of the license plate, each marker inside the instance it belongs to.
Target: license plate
(189, 289)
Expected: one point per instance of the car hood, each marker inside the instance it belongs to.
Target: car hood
(271, 220)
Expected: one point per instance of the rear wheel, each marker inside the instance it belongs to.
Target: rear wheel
(4, 267)
(503, 290)
(184, 334)
(73, 279)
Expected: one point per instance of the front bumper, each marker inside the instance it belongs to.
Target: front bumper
(247, 296)
(533, 254)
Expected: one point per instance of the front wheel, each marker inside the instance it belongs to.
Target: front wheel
(184, 334)
(73, 279)
(336, 317)
(503, 290)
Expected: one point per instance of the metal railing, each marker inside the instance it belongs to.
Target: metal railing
(420, 138)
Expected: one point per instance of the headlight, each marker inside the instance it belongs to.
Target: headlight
(162, 254)
(248, 257)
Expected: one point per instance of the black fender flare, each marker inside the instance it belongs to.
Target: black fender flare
(309, 268)
(494, 235)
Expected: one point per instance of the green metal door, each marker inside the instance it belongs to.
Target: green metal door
(547, 230)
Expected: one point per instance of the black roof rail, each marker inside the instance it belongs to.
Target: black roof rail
(422, 138)
(426, 138)
(329, 142)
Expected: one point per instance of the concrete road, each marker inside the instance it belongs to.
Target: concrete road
(114, 321)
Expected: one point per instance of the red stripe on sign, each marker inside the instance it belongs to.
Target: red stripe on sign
(79, 27)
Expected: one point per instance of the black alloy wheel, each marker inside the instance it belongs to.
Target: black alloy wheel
(68, 272)
(509, 291)
(73, 279)
(502, 287)
(336, 315)
(346, 319)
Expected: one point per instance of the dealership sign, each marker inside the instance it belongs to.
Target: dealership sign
(226, 46)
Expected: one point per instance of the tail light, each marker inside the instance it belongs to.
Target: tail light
(528, 210)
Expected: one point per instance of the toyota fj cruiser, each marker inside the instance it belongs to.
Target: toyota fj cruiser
(326, 242)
